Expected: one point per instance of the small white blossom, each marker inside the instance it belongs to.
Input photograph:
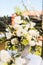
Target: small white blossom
(24, 32)
(34, 33)
(27, 26)
(17, 27)
(39, 43)
(18, 20)
(19, 33)
(32, 24)
(32, 43)
(5, 56)
(8, 35)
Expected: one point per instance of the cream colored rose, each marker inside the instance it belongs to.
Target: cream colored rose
(14, 41)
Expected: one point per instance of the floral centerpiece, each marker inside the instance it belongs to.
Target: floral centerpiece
(20, 39)
(23, 34)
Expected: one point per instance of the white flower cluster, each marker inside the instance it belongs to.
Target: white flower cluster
(22, 30)
(24, 33)
(5, 56)
(33, 33)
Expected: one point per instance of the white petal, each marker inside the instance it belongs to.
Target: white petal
(5, 56)
(32, 43)
(14, 41)
(8, 35)
(39, 43)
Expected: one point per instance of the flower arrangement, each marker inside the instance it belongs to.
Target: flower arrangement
(23, 34)
(20, 40)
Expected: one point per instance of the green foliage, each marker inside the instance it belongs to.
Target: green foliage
(18, 11)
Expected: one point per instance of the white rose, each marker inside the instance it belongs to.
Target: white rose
(14, 41)
(34, 33)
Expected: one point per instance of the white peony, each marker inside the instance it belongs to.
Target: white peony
(5, 56)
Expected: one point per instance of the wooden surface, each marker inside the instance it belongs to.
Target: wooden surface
(2, 46)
